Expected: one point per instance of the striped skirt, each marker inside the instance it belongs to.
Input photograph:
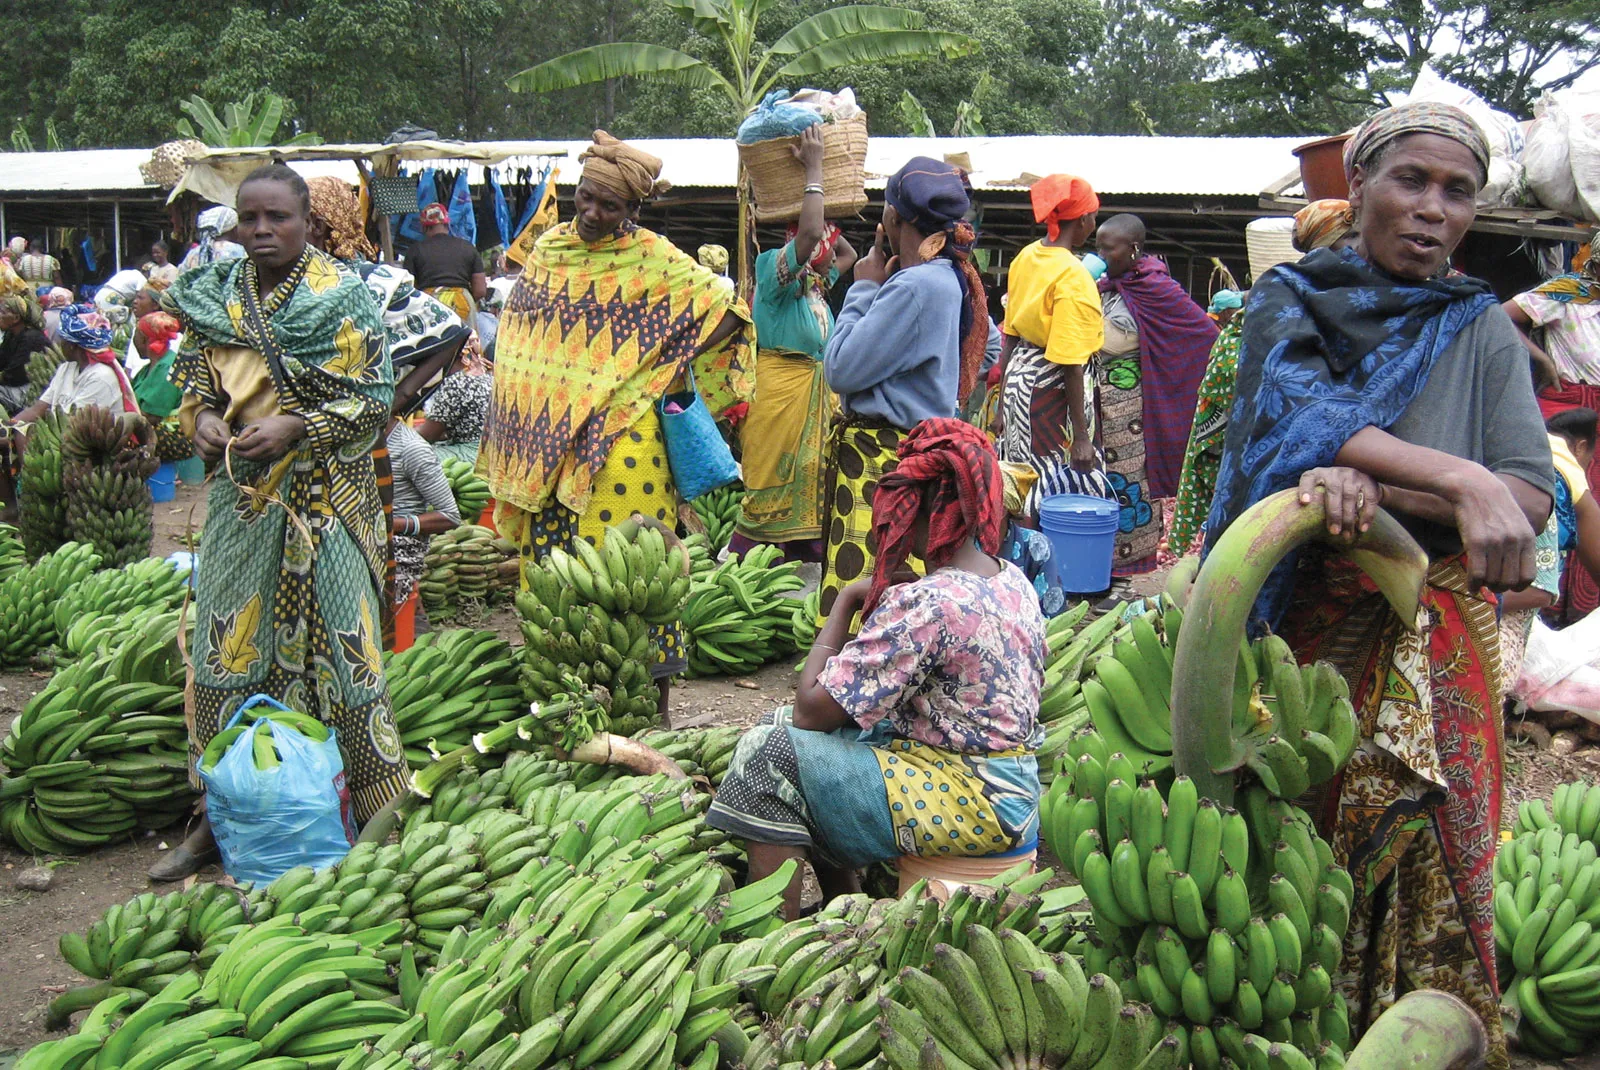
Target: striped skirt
(1038, 430)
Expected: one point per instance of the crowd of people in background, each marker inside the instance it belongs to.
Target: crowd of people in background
(900, 444)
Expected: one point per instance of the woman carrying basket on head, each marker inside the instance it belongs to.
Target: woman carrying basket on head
(287, 382)
(786, 432)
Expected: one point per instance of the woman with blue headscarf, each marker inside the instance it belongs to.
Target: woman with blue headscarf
(907, 347)
(1370, 376)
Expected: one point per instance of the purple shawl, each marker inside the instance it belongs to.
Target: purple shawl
(1175, 338)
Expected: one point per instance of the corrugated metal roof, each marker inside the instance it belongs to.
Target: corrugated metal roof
(1113, 165)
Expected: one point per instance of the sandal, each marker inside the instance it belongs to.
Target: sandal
(180, 862)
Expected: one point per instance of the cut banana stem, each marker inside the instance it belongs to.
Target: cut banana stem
(1219, 607)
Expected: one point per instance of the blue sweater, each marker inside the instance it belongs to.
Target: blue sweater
(895, 351)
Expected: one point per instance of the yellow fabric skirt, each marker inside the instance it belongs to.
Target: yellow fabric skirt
(784, 440)
(458, 301)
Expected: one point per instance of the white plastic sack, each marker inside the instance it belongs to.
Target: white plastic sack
(1558, 668)
(1561, 157)
(1504, 133)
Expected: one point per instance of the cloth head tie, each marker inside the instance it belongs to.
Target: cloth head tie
(435, 215)
(1418, 117)
(621, 168)
(1059, 199)
(713, 258)
(334, 202)
(86, 327)
(1225, 299)
(159, 329)
(948, 470)
(1322, 223)
(25, 308)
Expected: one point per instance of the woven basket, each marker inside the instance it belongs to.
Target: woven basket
(778, 180)
(169, 160)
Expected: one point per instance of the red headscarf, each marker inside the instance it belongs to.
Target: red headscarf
(1060, 199)
(951, 466)
(159, 329)
(819, 255)
(435, 215)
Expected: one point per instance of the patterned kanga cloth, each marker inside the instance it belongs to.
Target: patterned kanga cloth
(294, 609)
(1415, 816)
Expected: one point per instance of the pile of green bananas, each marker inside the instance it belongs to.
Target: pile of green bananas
(450, 684)
(703, 752)
(1230, 919)
(41, 492)
(89, 633)
(804, 624)
(1293, 725)
(42, 367)
(147, 583)
(101, 751)
(28, 598)
(13, 556)
(587, 617)
(142, 944)
(719, 510)
(1070, 651)
(471, 492)
(106, 460)
(1547, 922)
(702, 558)
(468, 563)
(740, 616)
(280, 996)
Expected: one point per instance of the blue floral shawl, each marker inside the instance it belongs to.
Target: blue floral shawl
(1330, 345)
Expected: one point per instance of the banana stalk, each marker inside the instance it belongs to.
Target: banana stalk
(1426, 1029)
(1219, 606)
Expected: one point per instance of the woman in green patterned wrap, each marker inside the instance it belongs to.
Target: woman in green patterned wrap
(286, 374)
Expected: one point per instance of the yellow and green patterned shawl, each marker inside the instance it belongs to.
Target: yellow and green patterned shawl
(592, 336)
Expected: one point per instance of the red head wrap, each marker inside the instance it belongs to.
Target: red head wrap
(950, 465)
(159, 329)
(1060, 199)
(819, 255)
(435, 215)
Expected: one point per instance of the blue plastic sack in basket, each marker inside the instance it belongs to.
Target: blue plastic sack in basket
(698, 454)
(267, 821)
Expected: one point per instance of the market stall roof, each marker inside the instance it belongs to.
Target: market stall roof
(1157, 166)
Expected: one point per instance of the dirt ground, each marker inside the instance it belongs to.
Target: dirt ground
(84, 887)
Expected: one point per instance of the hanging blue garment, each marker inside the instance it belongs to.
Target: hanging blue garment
(427, 193)
(534, 201)
(502, 210)
(463, 223)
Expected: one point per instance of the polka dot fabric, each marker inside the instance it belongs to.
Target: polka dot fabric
(860, 451)
(939, 806)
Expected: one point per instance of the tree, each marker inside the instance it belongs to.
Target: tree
(1146, 77)
(1299, 67)
(744, 69)
(251, 121)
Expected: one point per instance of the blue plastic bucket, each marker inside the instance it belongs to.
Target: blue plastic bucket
(1082, 531)
(164, 483)
(192, 470)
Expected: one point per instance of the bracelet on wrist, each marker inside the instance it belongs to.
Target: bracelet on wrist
(814, 187)
(826, 646)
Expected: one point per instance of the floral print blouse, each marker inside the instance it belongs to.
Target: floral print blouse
(953, 660)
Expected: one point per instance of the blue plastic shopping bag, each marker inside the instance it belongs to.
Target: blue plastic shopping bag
(267, 821)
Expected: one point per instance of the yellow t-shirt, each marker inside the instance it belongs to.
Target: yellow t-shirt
(1568, 468)
(1051, 301)
(245, 381)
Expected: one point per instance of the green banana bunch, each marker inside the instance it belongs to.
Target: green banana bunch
(149, 583)
(41, 498)
(449, 685)
(106, 460)
(569, 633)
(703, 752)
(140, 944)
(1231, 919)
(719, 511)
(101, 751)
(1547, 928)
(13, 555)
(741, 617)
(28, 597)
(469, 488)
(468, 563)
(1573, 807)
(804, 623)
